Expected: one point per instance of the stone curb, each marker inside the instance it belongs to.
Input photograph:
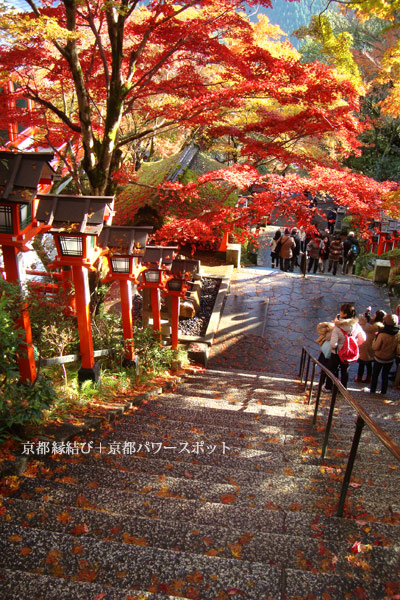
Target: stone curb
(199, 346)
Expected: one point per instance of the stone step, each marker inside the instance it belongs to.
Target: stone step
(296, 527)
(57, 466)
(250, 514)
(379, 406)
(133, 567)
(190, 478)
(267, 418)
(278, 550)
(170, 498)
(225, 422)
(155, 440)
(143, 429)
(372, 466)
(22, 585)
(255, 413)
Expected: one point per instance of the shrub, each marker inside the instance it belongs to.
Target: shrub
(153, 357)
(22, 404)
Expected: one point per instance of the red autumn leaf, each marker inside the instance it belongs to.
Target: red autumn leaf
(80, 529)
(67, 479)
(115, 530)
(53, 556)
(356, 548)
(64, 517)
(228, 499)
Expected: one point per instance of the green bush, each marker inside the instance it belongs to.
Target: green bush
(22, 404)
(9, 342)
(153, 357)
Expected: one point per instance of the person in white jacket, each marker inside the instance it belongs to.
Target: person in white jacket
(345, 321)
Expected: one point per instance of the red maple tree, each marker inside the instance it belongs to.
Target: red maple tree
(109, 78)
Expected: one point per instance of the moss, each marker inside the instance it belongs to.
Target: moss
(155, 173)
(152, 174)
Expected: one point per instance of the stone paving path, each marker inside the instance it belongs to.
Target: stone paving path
(269, 315)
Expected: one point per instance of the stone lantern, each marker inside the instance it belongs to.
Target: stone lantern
(76, 222)
(158, 261)
(21, 174)
(126, 247)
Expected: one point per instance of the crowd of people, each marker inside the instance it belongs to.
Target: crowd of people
(322, 252)
(373, 340)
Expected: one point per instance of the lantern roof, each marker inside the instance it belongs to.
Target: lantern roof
(125, 240)
(159, 255)
(20, 173)
(73, 214)
(186, 265)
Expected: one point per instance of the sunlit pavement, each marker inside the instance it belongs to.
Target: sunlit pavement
(269, 315)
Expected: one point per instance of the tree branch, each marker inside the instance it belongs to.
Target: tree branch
(32, 95)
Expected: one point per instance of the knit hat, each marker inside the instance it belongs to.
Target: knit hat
(287, 231)
(391, 320)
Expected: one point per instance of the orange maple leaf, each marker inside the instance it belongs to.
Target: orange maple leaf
(228, 499)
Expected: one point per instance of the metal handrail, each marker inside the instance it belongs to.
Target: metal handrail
(363, 418)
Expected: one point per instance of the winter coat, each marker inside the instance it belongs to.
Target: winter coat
(325, 250)
(386, 345)
(351, 327)
(335, 251)
(314, 248)
(287, 245)
(302, 235)
(296, 249)
(325, 331)
(348, 243)
(371, 329)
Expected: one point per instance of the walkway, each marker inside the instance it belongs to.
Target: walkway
(272, 314)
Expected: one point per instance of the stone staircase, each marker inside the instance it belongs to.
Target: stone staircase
(214, 491)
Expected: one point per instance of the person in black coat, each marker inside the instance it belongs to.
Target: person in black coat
(331, 220)
(351, 249)
(296, 250)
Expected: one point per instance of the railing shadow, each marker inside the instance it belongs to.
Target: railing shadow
(363, 418)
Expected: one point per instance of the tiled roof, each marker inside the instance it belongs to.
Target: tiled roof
(73, 214)
(20, 174)
(154, 254)
(124, 239)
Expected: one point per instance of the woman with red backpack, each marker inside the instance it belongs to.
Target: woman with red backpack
(347, 336)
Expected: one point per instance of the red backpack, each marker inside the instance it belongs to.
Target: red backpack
(349, 352)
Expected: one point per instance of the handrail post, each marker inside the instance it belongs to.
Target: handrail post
(329, 423)
(317, 400)
(307, 370)
(350, 463)
(303, 354)
(311, 383)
